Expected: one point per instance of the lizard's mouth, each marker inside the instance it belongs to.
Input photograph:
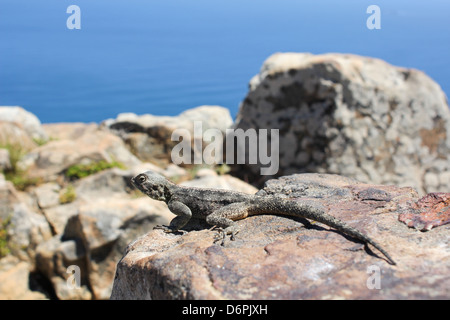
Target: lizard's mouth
(150, 190)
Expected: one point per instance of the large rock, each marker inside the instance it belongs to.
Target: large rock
(93, 239)
(53, 259)
(27, 230)
(47, 195)
(93, 230)
(68, 131)
(26, 120)
(149, 136)
(280, 258)
(5, 160)
(355, 116)
(14, 135)
(51, 159)
(14, 280)
(9, 197)
(27, 227)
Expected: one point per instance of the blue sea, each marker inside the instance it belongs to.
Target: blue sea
(165, 56)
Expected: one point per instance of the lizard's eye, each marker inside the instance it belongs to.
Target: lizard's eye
(142, 178)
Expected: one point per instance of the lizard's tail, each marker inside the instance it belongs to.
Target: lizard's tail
(305, 210)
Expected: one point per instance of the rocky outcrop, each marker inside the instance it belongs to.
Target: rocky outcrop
(149, 137)
(354, 116)
(14, 280)
(53, 158)
(5, 160)
(25, 120)
(93, 238)
(12, 134)
(68, 131)
(8, 197)
(278, 258)
(92, 231)
(60, 222)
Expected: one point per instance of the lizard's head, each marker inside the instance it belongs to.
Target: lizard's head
(152, 184)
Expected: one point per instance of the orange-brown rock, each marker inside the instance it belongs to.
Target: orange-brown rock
(279, 258)
(431, 211)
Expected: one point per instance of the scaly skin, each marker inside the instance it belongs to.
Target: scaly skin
(220, 208)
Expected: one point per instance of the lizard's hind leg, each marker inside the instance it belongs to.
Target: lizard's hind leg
(223, 219)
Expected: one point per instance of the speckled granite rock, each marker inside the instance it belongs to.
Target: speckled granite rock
(354, 116)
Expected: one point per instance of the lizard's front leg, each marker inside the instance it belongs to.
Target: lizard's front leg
(183, 213)
(224, 218)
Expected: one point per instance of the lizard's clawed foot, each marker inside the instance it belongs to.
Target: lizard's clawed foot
(168, 229)
(222, 234)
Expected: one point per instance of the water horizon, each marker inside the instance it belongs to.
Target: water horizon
(164, 57)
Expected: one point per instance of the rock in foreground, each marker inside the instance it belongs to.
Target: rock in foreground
(279, 258)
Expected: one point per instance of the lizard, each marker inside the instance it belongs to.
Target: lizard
(221, 208)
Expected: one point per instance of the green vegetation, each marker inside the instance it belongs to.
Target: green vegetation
(40, 141)
(16, 152)
(67, 195)
(4, 237)
(79, 171)
(21, 181)
(14, 174)
(222, 169)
